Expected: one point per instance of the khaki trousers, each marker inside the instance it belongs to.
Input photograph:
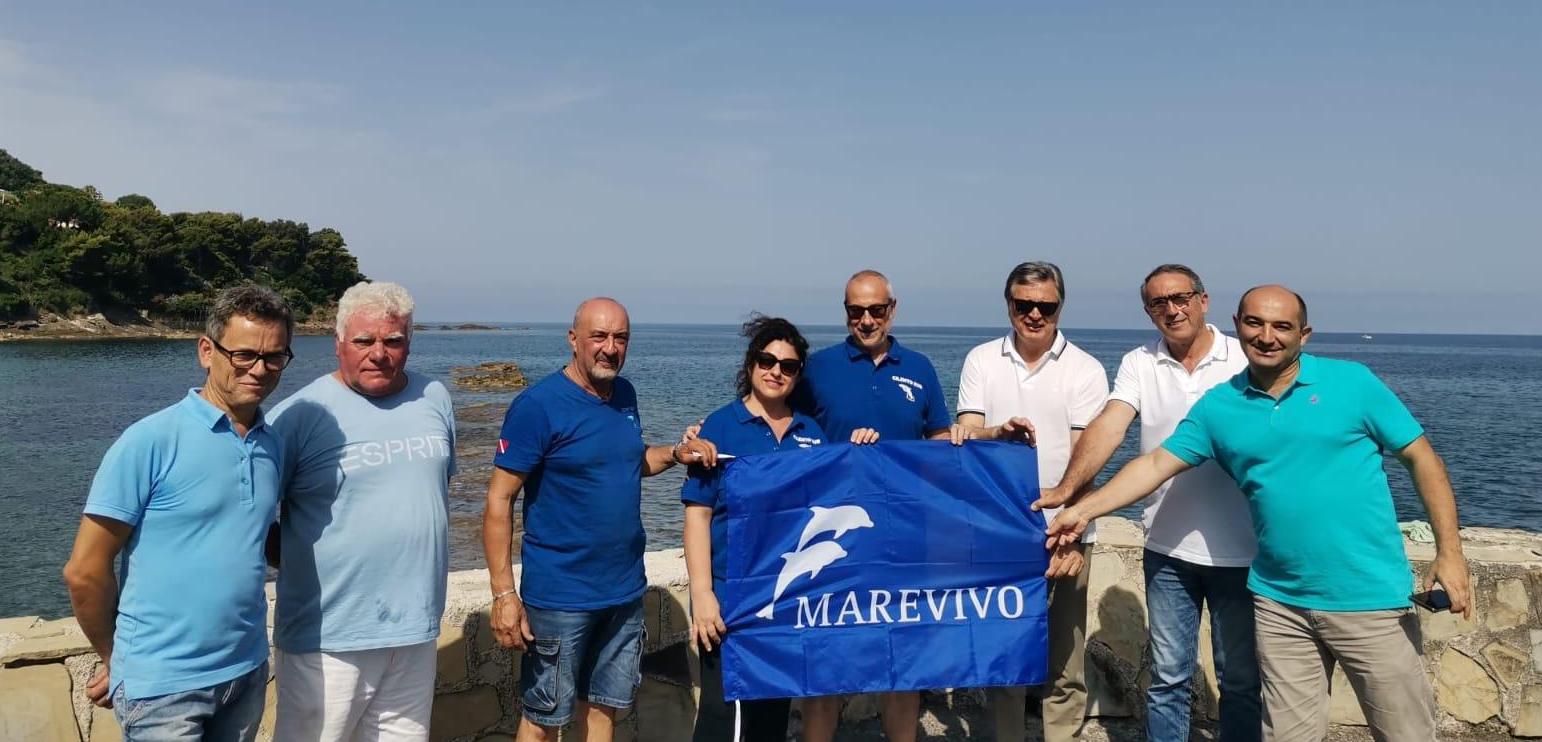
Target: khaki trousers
(1065, 698)
(1381, 653)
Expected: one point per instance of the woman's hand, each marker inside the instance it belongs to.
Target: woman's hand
(864, 436)
(707, 628)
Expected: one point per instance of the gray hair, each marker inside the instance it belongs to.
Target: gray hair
(870, 273)
(1199, 286)
(252, 302)
(1035, 272)
(379, 297)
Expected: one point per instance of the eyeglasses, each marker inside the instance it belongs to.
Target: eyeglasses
(854, 312)
(790, 366)
(1179, 300)
(1026, 306)
(245, 359)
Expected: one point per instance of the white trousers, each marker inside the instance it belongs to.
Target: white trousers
(369, 695)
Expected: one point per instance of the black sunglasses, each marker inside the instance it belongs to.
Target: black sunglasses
(245, 359)
(854, 312)
(790, 366)
(1026, 306)
(1179, 300)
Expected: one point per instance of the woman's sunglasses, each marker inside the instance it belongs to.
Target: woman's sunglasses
(790, 366)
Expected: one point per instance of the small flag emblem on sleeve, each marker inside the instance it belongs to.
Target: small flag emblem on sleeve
(503, 446)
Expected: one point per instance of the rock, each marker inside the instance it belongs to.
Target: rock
(1442, 626)
(48, 640)
(465, 713)
(1508, 663)
(1528, 721)
(104, 726)
(450, 652)
(35, 705)
(1511, 605)
(490, 377)
(1464, 690)
(665, 710)
(1536, 650)
(28, 324)
(1343, 704)
(18, 625)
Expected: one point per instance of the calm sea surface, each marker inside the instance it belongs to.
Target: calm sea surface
(62, 404)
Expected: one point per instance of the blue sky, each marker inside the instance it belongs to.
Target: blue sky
(700, 161)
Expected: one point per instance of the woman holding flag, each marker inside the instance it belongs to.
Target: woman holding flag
(759, 421)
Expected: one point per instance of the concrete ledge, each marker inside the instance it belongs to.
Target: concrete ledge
(1487, 673)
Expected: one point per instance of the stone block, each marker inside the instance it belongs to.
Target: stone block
(465, 713)
(1508, 663)
(1536, 650)
(18, 625)
(1343, 704)
(1528, 720)
(451, 666)
(46, 648)
(35, 705)
(665, 711)
(104, 726)
(1511, 606)
(1464, 690)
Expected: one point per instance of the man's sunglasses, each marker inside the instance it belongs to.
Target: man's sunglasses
(1179, 300)
(790, 366)
(245, 359)
(1026, 307)
(854, 312)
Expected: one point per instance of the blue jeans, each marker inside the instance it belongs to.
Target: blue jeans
(594, 656)
(1175, 591)
(229, 711)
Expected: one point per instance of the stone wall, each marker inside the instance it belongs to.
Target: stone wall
(1487, 673)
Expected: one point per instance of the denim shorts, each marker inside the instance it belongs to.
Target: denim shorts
(593, 653)
(227, 712)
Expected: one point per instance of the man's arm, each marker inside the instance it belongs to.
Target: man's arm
(1136, 480)
(660, 459)
(1434, 486)
(1090, 452)
(510, 627)
(94, 590)
(971, 426)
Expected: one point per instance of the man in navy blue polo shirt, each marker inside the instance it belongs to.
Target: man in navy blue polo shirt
(573, 442)
(863, 388)
(186, 496)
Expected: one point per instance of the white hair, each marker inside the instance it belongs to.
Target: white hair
(380, 297)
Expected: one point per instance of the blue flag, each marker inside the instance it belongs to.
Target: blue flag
(898, 566)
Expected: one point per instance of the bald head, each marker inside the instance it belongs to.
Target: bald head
(1272, 292)
(589, 309)
(599, 337)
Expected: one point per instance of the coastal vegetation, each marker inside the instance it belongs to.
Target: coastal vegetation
(68, 251)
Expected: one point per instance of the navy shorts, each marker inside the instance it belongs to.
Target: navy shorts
(593, 654)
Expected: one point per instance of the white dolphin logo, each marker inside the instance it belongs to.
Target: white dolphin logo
(808, 561)
(838, 519)
(804, 562)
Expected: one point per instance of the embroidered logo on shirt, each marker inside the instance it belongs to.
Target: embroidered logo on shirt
(906, 385)
(1313, 400)
(805, 441)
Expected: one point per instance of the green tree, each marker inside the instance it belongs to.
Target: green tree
(16, 175)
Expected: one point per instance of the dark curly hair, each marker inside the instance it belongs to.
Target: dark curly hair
(763, 331)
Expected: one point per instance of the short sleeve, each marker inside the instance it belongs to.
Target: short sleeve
(1191, 441)
(1127, 383)
(447, 409)
(1090, 395)
(701, 486)
(123, 483)
(971, 386)
(936, 406)
(526, 435)
(1387, 419)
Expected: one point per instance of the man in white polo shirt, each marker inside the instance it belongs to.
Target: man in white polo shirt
(1036, 373)
(1199, 534)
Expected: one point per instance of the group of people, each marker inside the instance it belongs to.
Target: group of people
(1261, 465)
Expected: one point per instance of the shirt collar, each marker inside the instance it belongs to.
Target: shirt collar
(212, 417)
(854, 353)
(1306, 375)
(743, 415)
(1009, 347)
(1218, 349)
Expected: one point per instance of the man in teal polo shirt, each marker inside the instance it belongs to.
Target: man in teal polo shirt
(186, 496)
(1303, 438)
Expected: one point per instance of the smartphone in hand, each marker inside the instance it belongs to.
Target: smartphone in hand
(1432, 600)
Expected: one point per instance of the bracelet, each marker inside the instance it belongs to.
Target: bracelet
(504, 594)
(674, 453)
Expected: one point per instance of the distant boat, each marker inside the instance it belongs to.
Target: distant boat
(1366, 337)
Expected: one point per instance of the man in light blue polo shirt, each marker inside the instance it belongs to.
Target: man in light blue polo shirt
(573, 443)
(1304, 437)
(186, 496)
(364, 533)
(861, 389)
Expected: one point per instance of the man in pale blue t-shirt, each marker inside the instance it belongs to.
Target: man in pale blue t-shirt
(363, 533)
(1304, 438)
(186, 496)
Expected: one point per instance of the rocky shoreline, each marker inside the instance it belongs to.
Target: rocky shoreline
(100, 326)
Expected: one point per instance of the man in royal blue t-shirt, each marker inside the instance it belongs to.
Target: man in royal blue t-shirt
(863, 388)
(573, 442)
